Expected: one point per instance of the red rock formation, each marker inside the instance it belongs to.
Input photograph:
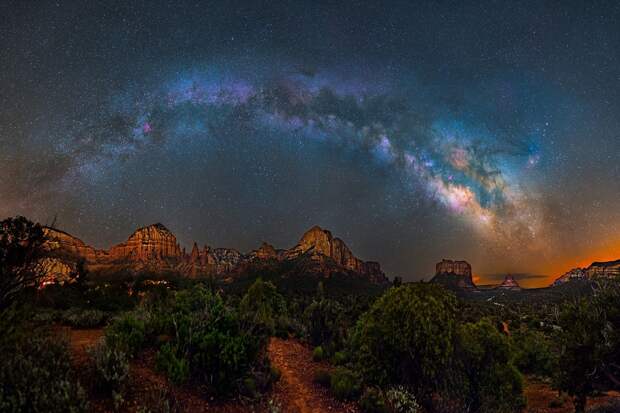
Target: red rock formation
(457, 267)
(155, 248)
(454, 274)
(609, 269)
(264, 252)
(509, 283)
(154, 242)
(63, 243)
(319, 243)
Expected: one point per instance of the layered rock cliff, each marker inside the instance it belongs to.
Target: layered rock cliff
(319, 244)
(454, 274)
(155, 248)
(608, 269)
(154, 242)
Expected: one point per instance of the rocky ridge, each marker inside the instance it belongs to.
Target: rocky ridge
(155, 248)
(608, 269)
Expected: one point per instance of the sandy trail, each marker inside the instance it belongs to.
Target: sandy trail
(296, 391)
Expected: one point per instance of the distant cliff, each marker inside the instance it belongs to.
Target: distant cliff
(454, 274)
(608, 269)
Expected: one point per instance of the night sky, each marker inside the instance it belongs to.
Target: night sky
(485, 131)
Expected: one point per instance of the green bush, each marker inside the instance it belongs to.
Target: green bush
(373, 401)
(36, 374)
(318, 354)
(127, 334)
(325, 323)
(220, 351)
(340, 358)
(111, 370)
(489, 380)
(345, 384)
(323, 378)
(176, 368)
(532, 353)
(590, 344)
(407, 337)
(260, 307)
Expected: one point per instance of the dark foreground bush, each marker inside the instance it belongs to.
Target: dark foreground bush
(111, 371)
(36, 374)
(81, 318)
(408, 342)
(127, 334)
(175, 367)
(407, 337)
(323, 378)
(488, 378)
(373, 401)
(345, 384)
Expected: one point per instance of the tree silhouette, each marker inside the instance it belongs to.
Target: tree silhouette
(21, 247)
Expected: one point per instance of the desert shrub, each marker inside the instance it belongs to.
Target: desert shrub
(373, 401)
(590, 344)
(219, 346)
(323, 378)
(401, 400)
(45, 316)
(318, 354)
(532, 353)
(289, 325)
(339, 358)
(176, 368)
(127, 334)
(83, 318)
(345, 384)
(110, 370)
(406, 337)
(260, 308)
(489, 381)
(159, 400)
(325, 324)
(36, 373)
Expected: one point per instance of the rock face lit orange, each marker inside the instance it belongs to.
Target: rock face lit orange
(154, 242)
(155, 248)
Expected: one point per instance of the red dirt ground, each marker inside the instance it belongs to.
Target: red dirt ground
(539, 395)
(295, 390)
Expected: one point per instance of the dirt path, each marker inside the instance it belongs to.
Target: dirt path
(296, 391)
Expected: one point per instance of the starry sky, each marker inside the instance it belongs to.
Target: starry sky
(415, 131)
